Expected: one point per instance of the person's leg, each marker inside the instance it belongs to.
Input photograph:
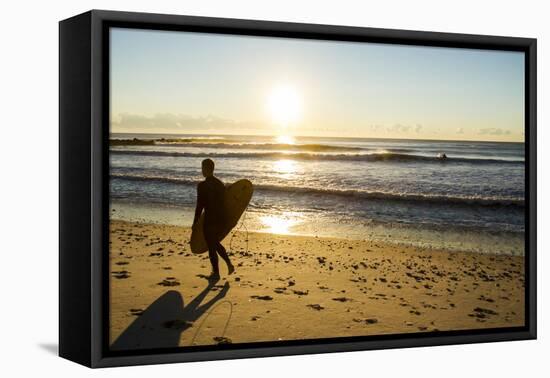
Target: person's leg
(223, 254)
(211, 242)
(213, 256)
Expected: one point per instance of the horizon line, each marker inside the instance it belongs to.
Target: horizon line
(318, 136)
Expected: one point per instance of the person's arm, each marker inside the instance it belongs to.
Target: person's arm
(200, 205)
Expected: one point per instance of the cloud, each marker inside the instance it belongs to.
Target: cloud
(376, 127)
(177, 123)
(460, 130)
(494, 131)
(398, 128)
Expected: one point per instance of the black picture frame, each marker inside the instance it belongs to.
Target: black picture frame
(84, 190)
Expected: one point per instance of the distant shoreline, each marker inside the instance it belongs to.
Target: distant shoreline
(114, 136)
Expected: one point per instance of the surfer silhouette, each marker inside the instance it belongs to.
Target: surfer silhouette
(210, 197)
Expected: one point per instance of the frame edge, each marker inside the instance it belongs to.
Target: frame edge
(74, 192)
(99, 17)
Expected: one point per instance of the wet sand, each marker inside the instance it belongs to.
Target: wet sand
(294, 287)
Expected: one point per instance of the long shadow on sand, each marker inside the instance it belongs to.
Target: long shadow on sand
(161, 324)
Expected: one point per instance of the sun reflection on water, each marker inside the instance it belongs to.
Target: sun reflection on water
(286, 139)
(280, 224)
(285, 166)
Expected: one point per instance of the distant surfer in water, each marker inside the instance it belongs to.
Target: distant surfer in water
(210, 197)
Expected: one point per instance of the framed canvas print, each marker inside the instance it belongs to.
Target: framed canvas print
(235, 188)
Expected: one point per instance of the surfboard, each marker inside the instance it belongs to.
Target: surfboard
(236, 199)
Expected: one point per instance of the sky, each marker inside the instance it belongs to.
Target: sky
(196, 83)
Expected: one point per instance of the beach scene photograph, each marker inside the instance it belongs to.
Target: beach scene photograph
(270, 189)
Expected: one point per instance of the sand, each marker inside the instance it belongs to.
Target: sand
(295, 287)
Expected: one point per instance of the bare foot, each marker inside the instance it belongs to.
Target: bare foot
(230, 269)
(214, 277)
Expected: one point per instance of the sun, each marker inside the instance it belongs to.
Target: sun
(284, 105)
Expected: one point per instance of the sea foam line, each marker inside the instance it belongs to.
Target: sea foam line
(366, 157)
(360, 194)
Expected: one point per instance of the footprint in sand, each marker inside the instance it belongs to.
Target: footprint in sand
(341, 299)
(317, 307)
(262, 297)
(486, 299)
(169, 281)
(482, 313)
(366, 321)
(121, 274)
(222, 340)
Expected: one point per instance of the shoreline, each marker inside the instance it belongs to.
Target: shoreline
(459, 239)
(299, 287)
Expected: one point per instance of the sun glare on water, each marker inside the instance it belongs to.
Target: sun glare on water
(279, 224)
(285, 166)
(284, 105)
(285, 139)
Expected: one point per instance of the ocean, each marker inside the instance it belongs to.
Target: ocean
(399, 191)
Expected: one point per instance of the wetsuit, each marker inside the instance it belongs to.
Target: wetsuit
(210, 197)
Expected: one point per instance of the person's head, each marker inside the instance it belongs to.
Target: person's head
(207, 167)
